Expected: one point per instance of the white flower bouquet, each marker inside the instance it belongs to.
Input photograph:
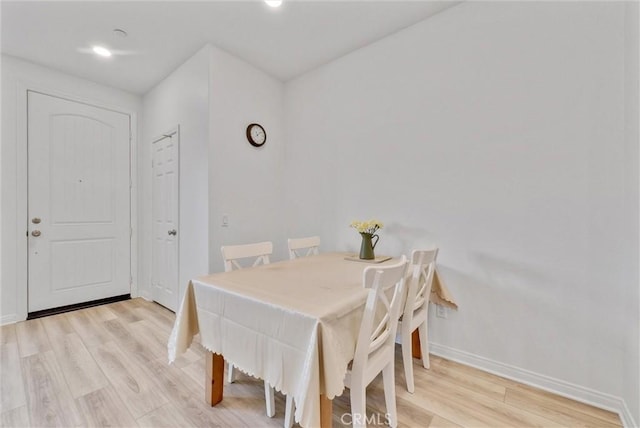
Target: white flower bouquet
(370, 226)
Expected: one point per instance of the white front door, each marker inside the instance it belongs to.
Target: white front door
(79, 207)
(164, 274)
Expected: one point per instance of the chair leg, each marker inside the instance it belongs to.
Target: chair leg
(289, 410)
(407, 360)
(388, 379)
(424, 343)
(269, 397)
(230, 375)
(359, 406)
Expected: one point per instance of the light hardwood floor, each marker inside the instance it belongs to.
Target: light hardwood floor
(107, 366)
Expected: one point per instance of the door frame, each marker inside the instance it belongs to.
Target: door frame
(175, 130)
(22, 197)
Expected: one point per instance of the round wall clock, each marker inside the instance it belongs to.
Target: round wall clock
(256, 135)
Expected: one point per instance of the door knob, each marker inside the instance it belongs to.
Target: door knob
(173, 232)
(35, 220)
(35, 233)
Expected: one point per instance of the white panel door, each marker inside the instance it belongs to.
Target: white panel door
(164, 274)
(79, 213)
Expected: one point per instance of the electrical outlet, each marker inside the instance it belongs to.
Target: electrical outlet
(441, 311)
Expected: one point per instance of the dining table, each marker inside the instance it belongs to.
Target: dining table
(292, 323)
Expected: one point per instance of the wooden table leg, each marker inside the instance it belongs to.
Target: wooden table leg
(214, 378)
(326, 412)
(415, 344)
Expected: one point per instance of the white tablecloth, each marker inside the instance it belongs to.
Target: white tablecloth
(293, 323)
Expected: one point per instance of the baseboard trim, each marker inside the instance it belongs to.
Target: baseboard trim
(626, 417)
(8, 319)
(547, 383)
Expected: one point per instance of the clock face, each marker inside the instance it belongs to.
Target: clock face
(256, 135)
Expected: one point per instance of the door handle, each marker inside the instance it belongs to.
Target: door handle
(35, 233)
(173, 232)
(35, 220)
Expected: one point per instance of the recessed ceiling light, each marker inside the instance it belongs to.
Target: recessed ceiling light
(273, 3)
(99, 50)
(119, 32)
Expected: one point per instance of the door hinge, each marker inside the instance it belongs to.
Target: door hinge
(131, 232)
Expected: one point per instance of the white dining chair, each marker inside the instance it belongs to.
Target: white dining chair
(416, 307)
(375, 348)
(297, 246)
(260, 252)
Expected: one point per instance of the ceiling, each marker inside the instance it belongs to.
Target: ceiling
(285, 42)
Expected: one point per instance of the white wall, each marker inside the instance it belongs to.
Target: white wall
(631, 362)
(180, 99)
(17, 76)
(245, 182)
(12, 317)
(495, 130)
(213, 97)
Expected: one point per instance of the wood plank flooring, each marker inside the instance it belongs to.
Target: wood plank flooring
(107, 366)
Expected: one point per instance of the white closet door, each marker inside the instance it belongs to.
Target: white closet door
(79, 207)
(164, 275)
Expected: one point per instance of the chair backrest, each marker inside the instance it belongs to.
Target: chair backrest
(423, 265)
(232, 253)
(298, 245)
(380, 318)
